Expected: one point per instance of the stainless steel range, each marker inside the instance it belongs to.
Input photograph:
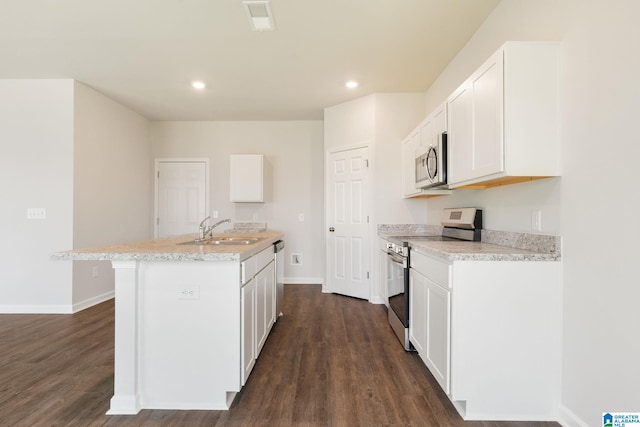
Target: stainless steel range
(459, 224)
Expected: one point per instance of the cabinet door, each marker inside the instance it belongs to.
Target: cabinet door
(487, 85)
(439, 121)
(409, 146)
(248, 342)
(427, 132)
(418, 312)
(460, 141)
(475, 124)
(432, 127)
(246, 178)
(438, 334)
(270, 300)
(265, 312)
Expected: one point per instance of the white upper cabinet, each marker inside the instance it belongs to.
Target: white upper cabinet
(503, 122)
(432, 127)
(409, 148)
(246, 180)
(418, 142)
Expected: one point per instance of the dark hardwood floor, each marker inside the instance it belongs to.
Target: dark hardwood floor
(329, 361)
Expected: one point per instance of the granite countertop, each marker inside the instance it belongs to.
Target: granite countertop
(494, 245)
(169, 249)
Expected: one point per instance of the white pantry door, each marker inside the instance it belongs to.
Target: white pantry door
(181, 196)
(348, 251)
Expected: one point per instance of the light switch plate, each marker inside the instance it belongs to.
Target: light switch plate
(536, 220)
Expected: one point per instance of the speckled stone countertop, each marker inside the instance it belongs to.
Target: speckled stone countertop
(169, 249)
(494, 245)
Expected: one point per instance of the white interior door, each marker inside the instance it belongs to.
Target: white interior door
(348, 259)
(181, 196)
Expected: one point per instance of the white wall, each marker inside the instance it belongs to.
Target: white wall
(86, 159)
(590, 206)
(350, 123)
(36, 171)
(294, 178)
(112, 186)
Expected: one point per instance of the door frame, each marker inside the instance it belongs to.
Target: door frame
(326, 288)
(156, 170)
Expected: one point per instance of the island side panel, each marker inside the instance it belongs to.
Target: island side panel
(126, 397)
(189, 340)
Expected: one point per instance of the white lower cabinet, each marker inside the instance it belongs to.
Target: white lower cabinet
(438, 333)
(265, 305)
(418, 312)
(490, 333)
(248, 329)
(429, 311)
(258, 307)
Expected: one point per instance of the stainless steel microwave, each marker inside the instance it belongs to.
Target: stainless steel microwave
(431, 165)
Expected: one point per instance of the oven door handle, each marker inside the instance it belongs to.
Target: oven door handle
(397, 259)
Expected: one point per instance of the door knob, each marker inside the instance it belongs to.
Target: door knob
(331, 229)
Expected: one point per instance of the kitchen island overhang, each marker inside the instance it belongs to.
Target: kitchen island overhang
(178, 321)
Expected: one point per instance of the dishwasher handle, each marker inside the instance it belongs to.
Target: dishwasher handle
(278, 246)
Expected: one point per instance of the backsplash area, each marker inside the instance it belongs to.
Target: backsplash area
(532, 242)
(544, 243)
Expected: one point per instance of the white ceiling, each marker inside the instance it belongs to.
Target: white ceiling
(145, 53)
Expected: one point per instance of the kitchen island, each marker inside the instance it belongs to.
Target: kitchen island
(190, 318)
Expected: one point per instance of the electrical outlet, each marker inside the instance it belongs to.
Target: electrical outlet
(536, 220)
(301, 217)
(94, 271)
(214, 214)
(296, 259)
(36, 213)
(189, 292)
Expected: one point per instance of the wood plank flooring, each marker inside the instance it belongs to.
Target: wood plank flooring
(329, 361)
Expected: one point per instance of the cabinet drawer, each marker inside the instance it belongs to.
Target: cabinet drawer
(248, 269)
(436, 271)
(263, 258)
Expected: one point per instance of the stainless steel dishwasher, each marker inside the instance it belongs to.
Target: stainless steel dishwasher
(278, 248)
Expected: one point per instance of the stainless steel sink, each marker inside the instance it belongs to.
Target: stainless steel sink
(224, 241)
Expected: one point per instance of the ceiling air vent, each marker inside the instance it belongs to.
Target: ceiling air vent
(259, 14)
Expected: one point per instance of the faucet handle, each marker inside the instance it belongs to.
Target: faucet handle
(204, 221)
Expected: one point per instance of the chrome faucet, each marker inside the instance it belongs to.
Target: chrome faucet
(202, 228)
(205, 231)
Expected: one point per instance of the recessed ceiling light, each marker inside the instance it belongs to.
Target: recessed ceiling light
(198, 85)
(351, 84)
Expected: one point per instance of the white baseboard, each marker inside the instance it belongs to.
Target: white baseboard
(36, 309)
(376, 300)
(90, 302)
(303, 280)
(56, 309)
(566, 418)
